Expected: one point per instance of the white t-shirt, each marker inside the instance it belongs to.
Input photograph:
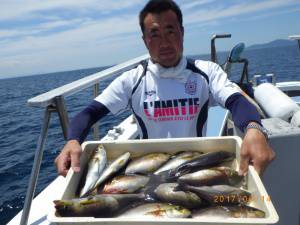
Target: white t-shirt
(169, 103)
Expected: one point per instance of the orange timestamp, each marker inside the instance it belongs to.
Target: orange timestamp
(230, 199)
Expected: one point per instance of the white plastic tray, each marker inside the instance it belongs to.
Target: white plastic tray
(260, 197)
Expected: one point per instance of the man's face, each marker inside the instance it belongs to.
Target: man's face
(163, 37)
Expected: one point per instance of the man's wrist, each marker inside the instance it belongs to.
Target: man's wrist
(74, 141)
(257, 126)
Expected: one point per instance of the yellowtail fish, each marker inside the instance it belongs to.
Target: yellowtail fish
(125, 184)
(213, 176)
(177, 160)
(203, 161)
(113, 168)
(157, 210)
(223, 212)
(96, 166)
(166, 193)
(147, 163)
(219, 194)
(96, 206)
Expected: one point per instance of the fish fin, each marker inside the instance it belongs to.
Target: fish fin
(62, 203)
(153, 183)
(178, 187)
(57, 202)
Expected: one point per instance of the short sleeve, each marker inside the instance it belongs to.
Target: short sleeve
(220, 86)
(116, 96)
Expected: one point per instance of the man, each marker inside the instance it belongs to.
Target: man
(170, 95)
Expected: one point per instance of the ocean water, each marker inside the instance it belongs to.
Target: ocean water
(20, 125)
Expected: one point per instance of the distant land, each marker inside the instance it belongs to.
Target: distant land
(273, 44)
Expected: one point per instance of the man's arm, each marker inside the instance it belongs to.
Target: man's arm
(113, 99)
(243, 112)
(77, 132)
(83, 121)
(255, 148)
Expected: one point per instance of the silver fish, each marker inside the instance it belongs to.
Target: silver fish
(157, 210)
(147, 163)
(125, 184)
(166, 193)
(213, 176)
(178, 160)
(220, 194)
(203, 161)
(96, 166)
(96, 206)
(116, 165)
(223, 212)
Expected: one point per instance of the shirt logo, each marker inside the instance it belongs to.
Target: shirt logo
(191, 87)
(150, 93)
(172, 110)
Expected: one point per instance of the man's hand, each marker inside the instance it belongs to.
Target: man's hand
(70, 155)
(255, 150)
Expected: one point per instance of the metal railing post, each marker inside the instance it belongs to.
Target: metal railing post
(213, 51)
(36, 167)
(96, 134)
(60, 107)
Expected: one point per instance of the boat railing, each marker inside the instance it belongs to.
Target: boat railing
(54, 101)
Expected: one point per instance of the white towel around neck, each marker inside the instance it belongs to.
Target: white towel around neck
(176, 72)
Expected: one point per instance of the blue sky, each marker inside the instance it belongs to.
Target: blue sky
(41, 36)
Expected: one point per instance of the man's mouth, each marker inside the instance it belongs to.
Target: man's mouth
(166, 52)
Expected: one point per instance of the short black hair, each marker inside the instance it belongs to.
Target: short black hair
(157, 7)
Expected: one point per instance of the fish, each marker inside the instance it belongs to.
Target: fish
(114, 167)
(219, 194)
(166, 193)
(178, 160)
(157, 210)
(223, 212)
(97, 205)
(212, 176)
(203, 161)
(96, 166)
(125, 184)
(147, 164)
(172, 175)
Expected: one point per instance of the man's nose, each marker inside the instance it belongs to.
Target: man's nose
(165, 41)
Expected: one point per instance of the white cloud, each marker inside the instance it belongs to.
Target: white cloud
(87, 42)
(276, 13)
(17, 9)
(195, 3)
(52, 42)
(87, 32)
(91, 43)
(40, 28)
(5, 33)
(222, 11)
(102, 53)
